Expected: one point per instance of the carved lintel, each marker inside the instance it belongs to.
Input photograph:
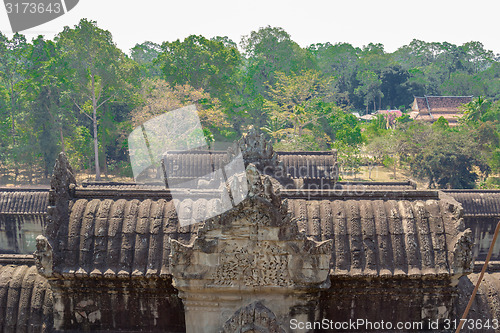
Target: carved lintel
(254, 317)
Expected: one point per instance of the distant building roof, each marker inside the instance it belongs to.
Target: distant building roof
(431, 108)
(397, 113)
(367, 117)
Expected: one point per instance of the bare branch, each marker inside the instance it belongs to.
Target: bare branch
(81, 111)
(107, 99)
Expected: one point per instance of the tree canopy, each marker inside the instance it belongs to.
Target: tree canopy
(80, 93)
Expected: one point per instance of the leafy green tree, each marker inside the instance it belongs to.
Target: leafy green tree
(12, 74)
(13, 70)
(145, 54)
(462, 84)
(478, 57)
(268, 51)
(449, 161)
(474, 110)
(157, 97)
(47, 111)
(447, 158)
(294, 99)
(340, 61)
(369, 89)
(271, 50)
(394, 86)
(345, 128)
(100, 71)
(208, 64)
(441, 124)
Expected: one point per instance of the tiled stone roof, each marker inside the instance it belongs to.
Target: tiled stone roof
(298, 164)
(442, 103)
(26, 303)
(23, 201)
(478, 202)
(383, 237)
(120, 238)
(403, 233)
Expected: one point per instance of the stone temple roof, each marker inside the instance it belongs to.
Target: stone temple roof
(478, 202)
(381, 237)
(26, 303)
(383, 233)
(277, 243)
(313, 165)
(121, 237)
(23, 201)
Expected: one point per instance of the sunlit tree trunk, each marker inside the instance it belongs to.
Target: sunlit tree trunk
(94, 121)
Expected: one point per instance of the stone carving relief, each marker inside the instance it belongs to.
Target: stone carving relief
(265, 264)
(463, 252)
(253, 245)
(254, 317)
(43, 256)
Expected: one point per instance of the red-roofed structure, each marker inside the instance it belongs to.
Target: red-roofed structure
(431, 108)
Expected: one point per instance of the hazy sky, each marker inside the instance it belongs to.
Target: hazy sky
(390, 22)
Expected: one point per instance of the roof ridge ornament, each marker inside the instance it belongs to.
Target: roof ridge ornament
(62, 189)
(257, 150)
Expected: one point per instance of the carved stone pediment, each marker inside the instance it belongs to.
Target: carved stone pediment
(251, 246)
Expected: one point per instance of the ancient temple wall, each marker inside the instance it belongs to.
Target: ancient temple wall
(117, 304)
(389, 300)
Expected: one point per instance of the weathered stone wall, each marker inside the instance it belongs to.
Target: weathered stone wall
(486, 306)
(138, 304)
(391, 300)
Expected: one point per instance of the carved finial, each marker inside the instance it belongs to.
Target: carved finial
(62, 178)
(262, 186)
(257, 150)
(62, 185)
(255, 186)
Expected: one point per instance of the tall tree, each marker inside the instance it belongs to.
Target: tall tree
(294, 99)
(369, 89)
(13, 72)
(340, 61)
(145, 55)
(45, 81)
(270, 50)
(100, 71)
(208, 64)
